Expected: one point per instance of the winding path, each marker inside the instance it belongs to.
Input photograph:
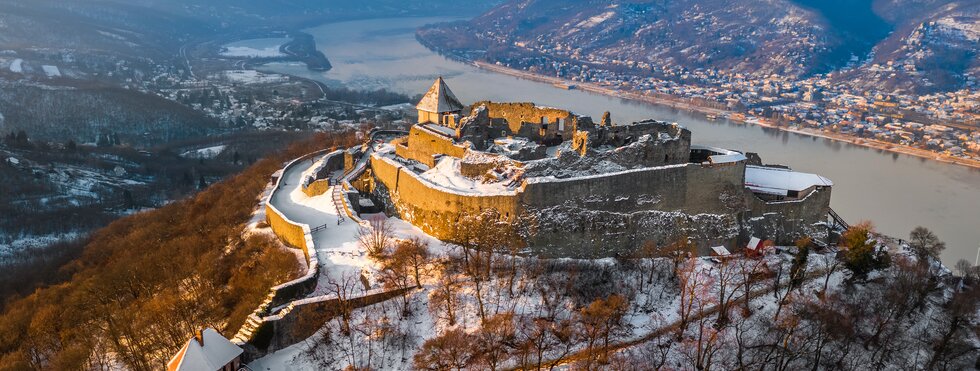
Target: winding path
(338, 251)
(336, 244)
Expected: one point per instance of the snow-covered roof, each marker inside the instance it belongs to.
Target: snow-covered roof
(444, 130)
(754, 243)
(439, 99)
(721, 155)
(721, 159)
(720, 251)
(211, 352)
(780, 181)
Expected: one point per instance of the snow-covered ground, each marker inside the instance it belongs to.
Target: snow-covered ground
(446, 174)
(206, 153)
(251, 77)
(257, 48)
(17, 66)
(51, 71)
(23, 244)
(337, 246)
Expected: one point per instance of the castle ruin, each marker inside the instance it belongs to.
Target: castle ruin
(595, 190)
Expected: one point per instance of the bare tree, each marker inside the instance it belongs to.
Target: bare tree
(541, 337)
(728, 285)
(415, 254)
(969, 272)
(453, 350)
(343, 289)
(952, 348)
(443, 298)
(926, 245)
(494, 339)
(396, 274)
(377, 236)
(599, 320)
(694, 289)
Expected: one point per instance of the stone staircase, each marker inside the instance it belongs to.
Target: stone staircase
(252, 322)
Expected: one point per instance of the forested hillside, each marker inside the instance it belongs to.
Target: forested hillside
(146, 281)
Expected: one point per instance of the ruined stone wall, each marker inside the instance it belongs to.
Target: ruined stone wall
(618, 136)
(320, 182)
(475, 164)
(423, 144)
(432, 208)
(524, 119)
(604, 215)
(786, 221)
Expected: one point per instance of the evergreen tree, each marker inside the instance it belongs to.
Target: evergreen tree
(861, 253)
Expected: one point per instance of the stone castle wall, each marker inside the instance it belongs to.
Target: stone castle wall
(582, 217)
(613, 213)
(786, 221)
(432, 208)
(422, 145)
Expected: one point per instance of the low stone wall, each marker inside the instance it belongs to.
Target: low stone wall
(302, 318)
(317, 181)
(318, 187)
(295, 235)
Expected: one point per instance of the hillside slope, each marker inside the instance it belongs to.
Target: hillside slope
(793, 38)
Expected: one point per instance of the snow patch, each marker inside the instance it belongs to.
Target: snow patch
(51, 71)
(17, 66)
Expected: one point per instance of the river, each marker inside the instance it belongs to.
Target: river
(896, 192)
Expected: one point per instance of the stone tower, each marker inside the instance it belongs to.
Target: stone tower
(439, 105)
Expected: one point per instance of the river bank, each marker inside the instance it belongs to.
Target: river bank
(681, 105)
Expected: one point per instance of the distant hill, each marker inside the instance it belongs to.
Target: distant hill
(794, 38)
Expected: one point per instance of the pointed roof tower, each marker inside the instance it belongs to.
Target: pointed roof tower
(439, 99)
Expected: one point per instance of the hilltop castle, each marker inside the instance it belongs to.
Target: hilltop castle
(595, 189)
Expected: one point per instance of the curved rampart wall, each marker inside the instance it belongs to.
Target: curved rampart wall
(295, 320)
(428, 206)
(296, 235)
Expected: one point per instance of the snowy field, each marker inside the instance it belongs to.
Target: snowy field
(51, 71)
(17, 66)
(22, 244)
(205, 153)
(256, 48)
(251, 77)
